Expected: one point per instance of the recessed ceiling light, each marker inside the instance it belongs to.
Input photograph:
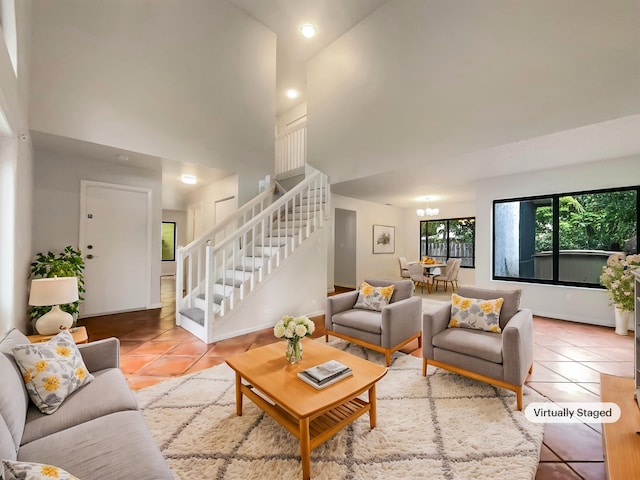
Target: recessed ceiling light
(293, 93)
(189, 179)
(308, 30)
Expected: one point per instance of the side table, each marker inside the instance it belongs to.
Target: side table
(79, 335)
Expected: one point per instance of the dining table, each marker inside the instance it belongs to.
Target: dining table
(427, 267)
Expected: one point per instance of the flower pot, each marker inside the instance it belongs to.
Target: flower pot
(623, 320)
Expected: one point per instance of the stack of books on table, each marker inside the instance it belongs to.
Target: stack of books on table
(325, 374)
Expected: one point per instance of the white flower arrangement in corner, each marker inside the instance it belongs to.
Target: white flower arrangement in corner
(293, 328)
(618, 279)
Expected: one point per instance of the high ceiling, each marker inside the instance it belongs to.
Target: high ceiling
(331, 18)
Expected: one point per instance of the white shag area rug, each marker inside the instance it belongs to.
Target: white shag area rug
(441, 427)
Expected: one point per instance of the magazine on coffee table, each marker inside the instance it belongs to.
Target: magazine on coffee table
(325, 374)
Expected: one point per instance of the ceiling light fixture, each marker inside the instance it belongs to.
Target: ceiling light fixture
(427, 212)
(307, 30)
(293, 93)
(189, 179)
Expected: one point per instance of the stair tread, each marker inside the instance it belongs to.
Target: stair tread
(217, 298)
(195, 314)
(235, 282)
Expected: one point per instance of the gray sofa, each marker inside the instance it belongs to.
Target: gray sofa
(97, 433)
(399, 323)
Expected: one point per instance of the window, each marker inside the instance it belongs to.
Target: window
(563, 239)
(449, 238)
(168, 241)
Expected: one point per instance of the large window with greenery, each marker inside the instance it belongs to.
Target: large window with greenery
(564, 238)
(449, 238)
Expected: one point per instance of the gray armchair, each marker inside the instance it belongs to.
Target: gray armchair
(500, 359)
(397, 324)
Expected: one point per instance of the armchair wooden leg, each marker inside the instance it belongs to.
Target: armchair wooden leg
(420, 341)
(387, 357)
(531, 369)
(424, 367)
(519, 397)
(326, 338)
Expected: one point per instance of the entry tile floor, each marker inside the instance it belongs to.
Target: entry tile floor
(568, 359)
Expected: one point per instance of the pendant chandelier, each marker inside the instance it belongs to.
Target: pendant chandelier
(427, 212)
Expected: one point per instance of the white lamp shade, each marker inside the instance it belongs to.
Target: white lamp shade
(53, 291)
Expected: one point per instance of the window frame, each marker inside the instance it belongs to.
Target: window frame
(175, 235)
(447, 220)
(555, 248)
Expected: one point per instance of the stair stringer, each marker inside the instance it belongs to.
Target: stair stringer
(297, 287)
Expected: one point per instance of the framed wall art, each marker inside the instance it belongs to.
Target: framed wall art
(384, 239)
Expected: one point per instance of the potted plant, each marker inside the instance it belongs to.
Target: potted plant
(68, 263)
(619, 281)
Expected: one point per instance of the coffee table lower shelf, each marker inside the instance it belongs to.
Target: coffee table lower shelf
(322, 427)
(311, 431)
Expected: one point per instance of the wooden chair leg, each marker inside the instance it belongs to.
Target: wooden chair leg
(326, 338)
(424, 367)
(519, 397)
(387, 356)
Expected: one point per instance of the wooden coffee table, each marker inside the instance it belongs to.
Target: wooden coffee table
(313, 416)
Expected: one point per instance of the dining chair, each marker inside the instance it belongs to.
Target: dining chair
(416, 273)
(404, 267)
(450, 275)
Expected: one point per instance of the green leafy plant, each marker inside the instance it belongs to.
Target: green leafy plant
(68, 263)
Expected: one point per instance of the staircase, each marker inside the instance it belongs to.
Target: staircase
(219, 271)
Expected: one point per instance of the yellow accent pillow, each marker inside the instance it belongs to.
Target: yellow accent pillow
(476, 313)
(51, 370)
(373, 298)
(15, 470)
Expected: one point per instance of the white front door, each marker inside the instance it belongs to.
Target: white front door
(115, 239)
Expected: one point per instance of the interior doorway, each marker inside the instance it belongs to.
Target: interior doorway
(344, 270)
(194, 222)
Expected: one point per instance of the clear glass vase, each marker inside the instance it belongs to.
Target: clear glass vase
(294, 350)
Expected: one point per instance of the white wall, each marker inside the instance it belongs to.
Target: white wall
(15, 177)
(189, 81)
(291, 118)
(207, 196)
(180, 217)
(56, 202)
(422, 80)
(569, 303)
(368, 264)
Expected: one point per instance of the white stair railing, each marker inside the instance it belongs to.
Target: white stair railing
(223, 273)
(291, 151)
(190, 260)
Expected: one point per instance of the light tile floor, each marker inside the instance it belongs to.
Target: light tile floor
(568, 359)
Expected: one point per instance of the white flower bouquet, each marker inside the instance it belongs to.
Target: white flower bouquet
(618, 279)
(293, 329)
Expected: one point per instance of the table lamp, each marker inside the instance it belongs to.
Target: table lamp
(53, 291)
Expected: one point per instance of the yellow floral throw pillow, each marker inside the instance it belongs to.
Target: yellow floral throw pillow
(51, 370)
(476, 313)
(32, 471)
(13, 470)
(373, 298)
